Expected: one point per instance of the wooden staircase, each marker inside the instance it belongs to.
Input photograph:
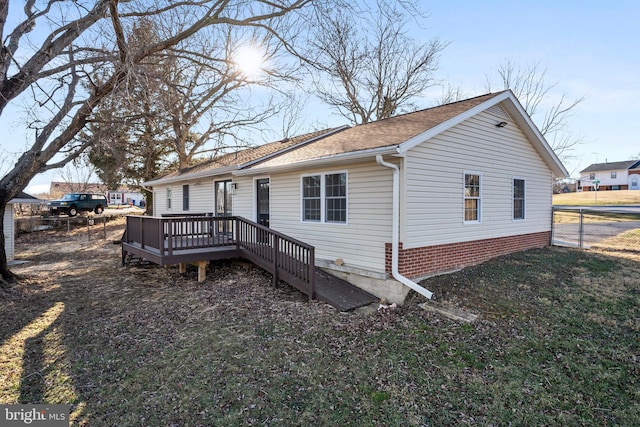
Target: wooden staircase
(201, 238)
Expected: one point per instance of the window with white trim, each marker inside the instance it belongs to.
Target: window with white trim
(472, 197)
(168, 197)
(324, 198)
(518, 198)
(614, 175)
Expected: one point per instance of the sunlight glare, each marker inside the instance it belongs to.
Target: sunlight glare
(249, 60)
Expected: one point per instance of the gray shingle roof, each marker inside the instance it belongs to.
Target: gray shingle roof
(610, 166)
(247, 155)
(382, 133)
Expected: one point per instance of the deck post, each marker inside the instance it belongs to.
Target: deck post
(312, 273)
(202, 271)
(274, 255)
(169, 237)
(238, 231)
(141, 233)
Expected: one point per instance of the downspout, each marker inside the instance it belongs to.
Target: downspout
(395, 239)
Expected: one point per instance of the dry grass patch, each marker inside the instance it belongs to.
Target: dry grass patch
(588, 198)
(556, 344)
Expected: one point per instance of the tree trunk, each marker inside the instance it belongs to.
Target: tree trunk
(7, 276)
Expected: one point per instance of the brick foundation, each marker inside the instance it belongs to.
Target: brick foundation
(427, 260)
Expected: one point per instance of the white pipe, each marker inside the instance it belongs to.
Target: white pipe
(395, 239)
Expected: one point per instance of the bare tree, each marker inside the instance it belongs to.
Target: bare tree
(58, 73)
(550, 113)
(364, 63)
(203, 100)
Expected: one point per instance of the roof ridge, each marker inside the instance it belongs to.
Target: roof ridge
(489, 94)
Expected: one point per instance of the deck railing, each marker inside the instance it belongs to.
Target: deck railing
(175, 233)
(284, 257)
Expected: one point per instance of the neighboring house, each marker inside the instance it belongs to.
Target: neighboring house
(125, 196)
(9, 221)
(402, 198)
(611, 176)
(121, 196)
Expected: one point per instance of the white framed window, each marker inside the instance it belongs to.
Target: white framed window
(518, 198)
(592, 176)
(324, 197)
(614, 175)
(168, 197)
(472, 197)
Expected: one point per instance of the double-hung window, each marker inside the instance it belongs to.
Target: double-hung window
(324, 198)
(518, 198)
(472, 197)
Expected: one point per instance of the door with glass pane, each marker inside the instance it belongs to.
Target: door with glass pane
(224, 206)
(262, 209)
(262, 201)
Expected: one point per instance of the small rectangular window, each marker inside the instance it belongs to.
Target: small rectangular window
(471, 197)
(185, 197)
(311, 198)
(614, 175)
(592, 176)
(324, 198)
(518, 198)
(168, 197)
(336, 197)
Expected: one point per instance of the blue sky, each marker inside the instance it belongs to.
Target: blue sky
(589, 48)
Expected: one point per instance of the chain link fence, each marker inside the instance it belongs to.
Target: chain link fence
(95, 225)
(608, 229)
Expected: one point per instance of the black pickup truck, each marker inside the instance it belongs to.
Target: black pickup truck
(73, 203)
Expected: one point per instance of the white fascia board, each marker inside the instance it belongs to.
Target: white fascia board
(319, 161)
(190, 177)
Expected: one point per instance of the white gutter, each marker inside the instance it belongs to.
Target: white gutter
(395, 239)
(318, 161)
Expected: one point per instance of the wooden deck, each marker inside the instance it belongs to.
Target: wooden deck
(203, 238)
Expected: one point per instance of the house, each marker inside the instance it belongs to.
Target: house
(387, 203)
(121, 196)
(9, 221)
(605, 176)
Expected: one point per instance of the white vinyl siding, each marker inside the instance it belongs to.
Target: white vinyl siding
(201, 197)
(9, 232)
(434, 174)
(360, 242)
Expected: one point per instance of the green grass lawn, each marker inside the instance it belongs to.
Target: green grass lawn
(592, 198)
(557, 343)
